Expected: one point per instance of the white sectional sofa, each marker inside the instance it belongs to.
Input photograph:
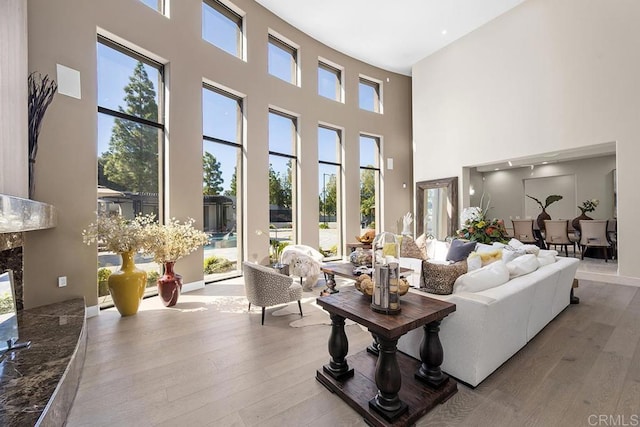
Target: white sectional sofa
(490, 326)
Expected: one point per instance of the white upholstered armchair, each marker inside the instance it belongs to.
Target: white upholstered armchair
(266, 287)
(304, 262)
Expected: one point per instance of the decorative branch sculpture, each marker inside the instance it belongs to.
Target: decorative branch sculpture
(41, 93)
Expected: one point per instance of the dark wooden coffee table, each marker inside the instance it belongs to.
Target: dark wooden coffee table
(342, 269)
(390, 388)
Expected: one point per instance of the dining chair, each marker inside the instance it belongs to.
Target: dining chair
(266, 287)
(593, 234)
(557, 234)
(523, 231)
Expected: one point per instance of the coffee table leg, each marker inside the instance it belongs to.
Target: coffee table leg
(338, 349)
(388, 379)
(374, 347)
(432, 355)
(330, 280)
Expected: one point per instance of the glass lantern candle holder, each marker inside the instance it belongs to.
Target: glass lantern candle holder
(386, 274)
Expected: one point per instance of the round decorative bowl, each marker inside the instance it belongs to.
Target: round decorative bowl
(361, 257)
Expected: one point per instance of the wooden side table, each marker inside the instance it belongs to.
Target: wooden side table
(390, 388)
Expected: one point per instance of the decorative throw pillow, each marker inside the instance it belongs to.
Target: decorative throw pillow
(439, 278)
(490, 276)
(474, 261)
(421, 243)
(509, 253)
(479, 259)
(523, 265)
(460, 250)
(409, 248)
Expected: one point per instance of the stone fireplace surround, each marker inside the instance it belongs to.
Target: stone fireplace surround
(17, 216)
(38, 383)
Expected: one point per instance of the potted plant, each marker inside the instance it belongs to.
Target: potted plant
(168, 243)
(126, 237)
(586, 206)
(544, 215)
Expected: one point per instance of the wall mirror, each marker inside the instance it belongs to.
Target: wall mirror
(437, 207)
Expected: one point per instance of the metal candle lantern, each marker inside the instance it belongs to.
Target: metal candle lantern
(386, 258)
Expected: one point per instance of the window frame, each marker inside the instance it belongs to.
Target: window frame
(294, 167)
(237, 18)
(290, 48)
(239, 145)
(160, 125)
(336, 70)
(376, 85)
(339, 193)
(377, 171)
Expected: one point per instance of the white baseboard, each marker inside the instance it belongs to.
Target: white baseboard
(608, 278)
(92, 311)
(193, 286)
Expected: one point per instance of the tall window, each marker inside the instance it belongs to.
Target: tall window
(283, 60)
(369, 181)
(222, 182)
(130, 141)
(155, 4)
(222, 27)
(282, 178)
(329, 81)
(329, 183)
(369, 95)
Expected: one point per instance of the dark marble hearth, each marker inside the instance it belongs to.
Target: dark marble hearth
(48, 372)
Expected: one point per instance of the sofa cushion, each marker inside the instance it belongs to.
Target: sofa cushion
(523, 265)
(437, 249)
(479, 259)
(409, 248)
(546, 259)
(439, 278)
(510, 253)
(490, 276)
(421, 242)
(460, 250)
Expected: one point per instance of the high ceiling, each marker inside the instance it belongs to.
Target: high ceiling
(392, 35)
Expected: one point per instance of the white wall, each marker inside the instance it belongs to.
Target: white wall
(13, 98)
(548, 75)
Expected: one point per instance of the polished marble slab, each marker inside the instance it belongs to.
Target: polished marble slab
(38, 383)
(18, 214)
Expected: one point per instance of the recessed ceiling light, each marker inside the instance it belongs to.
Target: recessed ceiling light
(544, 163)
(444, 32)
(510, 164)
(496, 169)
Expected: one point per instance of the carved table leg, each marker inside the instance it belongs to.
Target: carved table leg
(432, 355)
(374, 347)
(338, 349)
(388, 379)
(330, 279)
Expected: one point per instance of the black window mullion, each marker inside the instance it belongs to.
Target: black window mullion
(221, 141)
(129, 117)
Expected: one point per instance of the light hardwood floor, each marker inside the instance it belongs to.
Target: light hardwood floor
(208, 362)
